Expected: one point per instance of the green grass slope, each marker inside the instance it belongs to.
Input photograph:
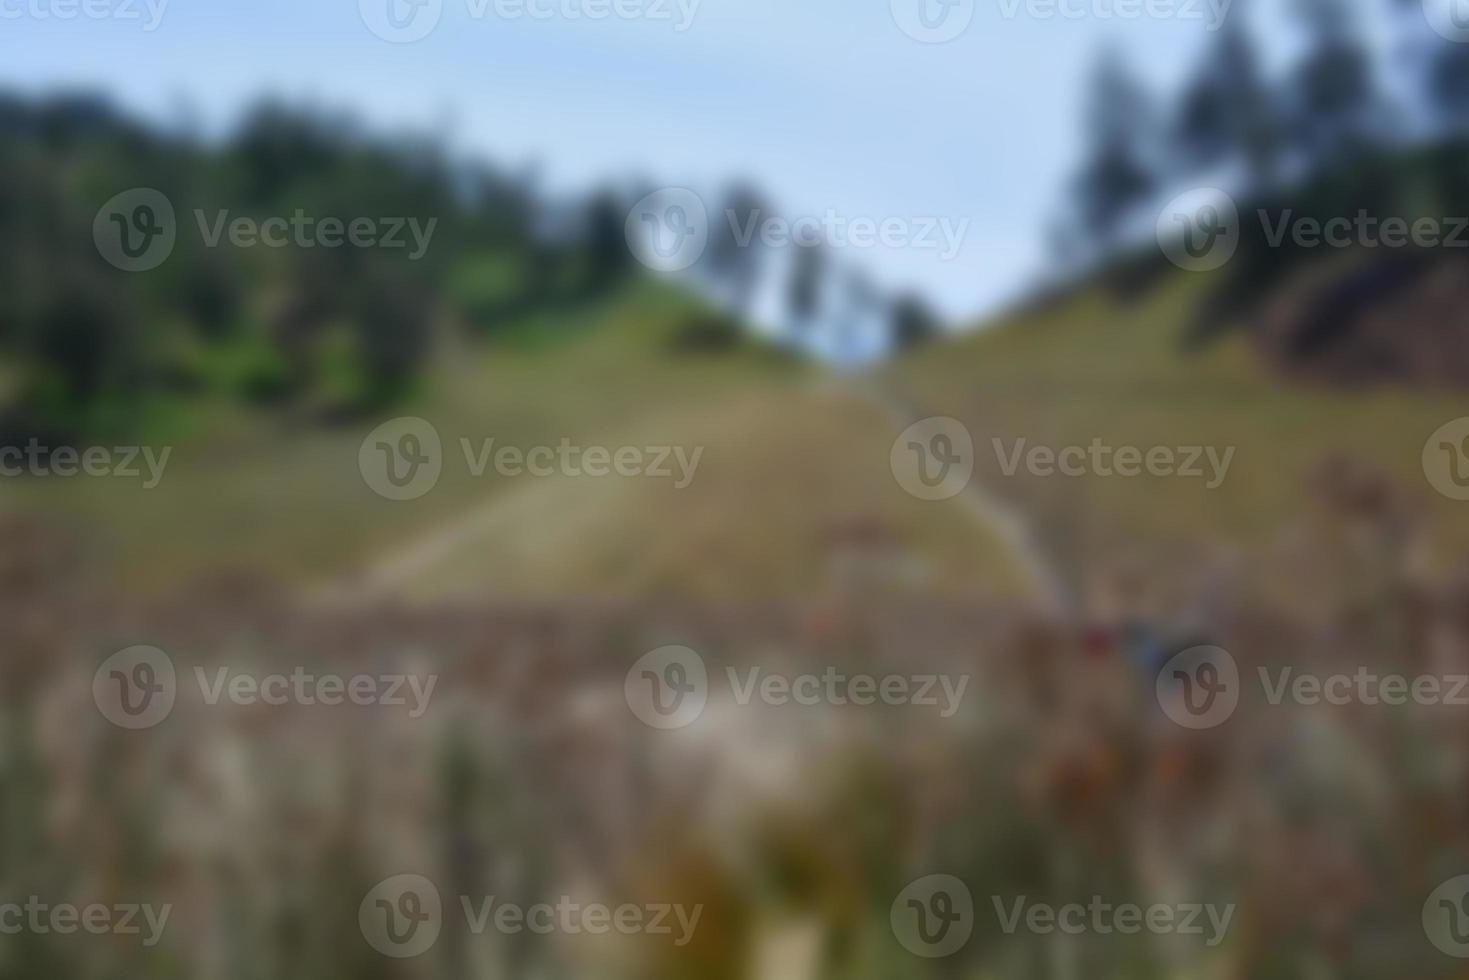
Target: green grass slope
(788, 456)
(1090, 369)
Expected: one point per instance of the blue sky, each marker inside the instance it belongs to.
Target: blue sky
(826, 104)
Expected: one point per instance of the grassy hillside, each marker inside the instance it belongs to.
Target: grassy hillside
(793, 458)
(1090, 368)
(787, 457)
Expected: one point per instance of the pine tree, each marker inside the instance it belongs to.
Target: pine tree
(804, 293)
(1226, 112)
(734, 263)
(1338, 107)
(1116, 175)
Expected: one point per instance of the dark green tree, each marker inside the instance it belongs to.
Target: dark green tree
(1338, 111)
(1227, 110)
(1120, 128)
(914, 322)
